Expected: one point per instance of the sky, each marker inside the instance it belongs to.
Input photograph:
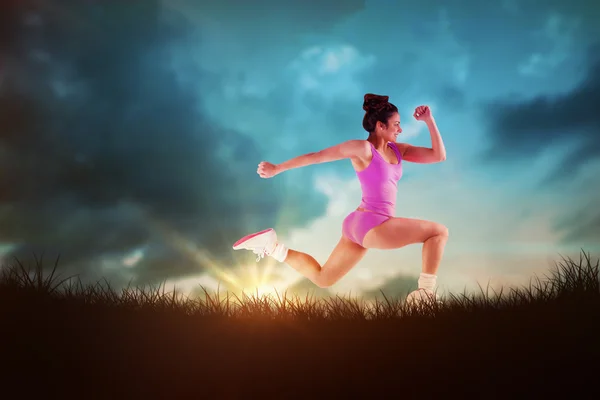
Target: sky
(130, 135)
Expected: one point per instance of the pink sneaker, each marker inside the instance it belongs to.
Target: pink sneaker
(261, 243)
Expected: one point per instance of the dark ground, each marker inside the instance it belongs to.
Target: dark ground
(549, 351)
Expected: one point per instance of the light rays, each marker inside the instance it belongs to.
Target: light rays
(248, 278)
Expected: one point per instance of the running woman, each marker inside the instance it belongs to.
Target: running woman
(377, 162)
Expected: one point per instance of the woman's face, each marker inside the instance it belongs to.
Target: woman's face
(392, 130)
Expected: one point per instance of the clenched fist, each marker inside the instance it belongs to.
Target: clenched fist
(422, 113)
(267, 170)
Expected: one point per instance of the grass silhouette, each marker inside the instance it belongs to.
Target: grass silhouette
(60, 336)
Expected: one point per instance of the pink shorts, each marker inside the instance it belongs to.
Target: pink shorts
(358, 223)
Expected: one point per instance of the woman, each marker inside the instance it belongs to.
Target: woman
(378, 165)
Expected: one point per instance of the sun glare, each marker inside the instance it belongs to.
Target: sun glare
(261, 291)
(252, 279)
(257, 280)
(249, 278)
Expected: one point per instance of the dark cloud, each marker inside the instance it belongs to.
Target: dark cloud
(521, 130)
(581, 223)
(454, 98)
(530, 126)
(253, 29)
(312, 14)
(100, 140)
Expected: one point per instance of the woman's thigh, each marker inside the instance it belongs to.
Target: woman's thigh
(343, 258)
(399, 232)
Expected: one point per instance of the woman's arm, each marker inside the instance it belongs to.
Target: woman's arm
(348, 149)
(425, 155)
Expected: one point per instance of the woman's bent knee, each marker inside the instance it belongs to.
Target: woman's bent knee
(443, 231)
(439, 231)
(324, 282)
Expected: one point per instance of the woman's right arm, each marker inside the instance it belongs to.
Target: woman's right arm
(348, 149)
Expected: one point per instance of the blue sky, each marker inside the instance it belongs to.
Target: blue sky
(133, 152)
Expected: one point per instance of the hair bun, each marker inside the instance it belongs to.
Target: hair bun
(374, 102)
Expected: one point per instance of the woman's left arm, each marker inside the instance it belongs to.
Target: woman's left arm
(425, 155)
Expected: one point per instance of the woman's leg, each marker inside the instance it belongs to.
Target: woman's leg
(399, 232)
(344, 257)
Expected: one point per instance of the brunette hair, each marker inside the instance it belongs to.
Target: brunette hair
(377, 108)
